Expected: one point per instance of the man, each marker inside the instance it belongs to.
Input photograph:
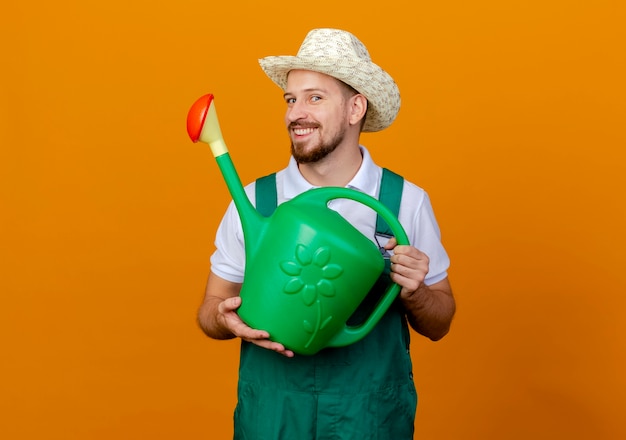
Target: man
(333, 91)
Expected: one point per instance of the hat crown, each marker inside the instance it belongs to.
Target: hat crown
(333, 43)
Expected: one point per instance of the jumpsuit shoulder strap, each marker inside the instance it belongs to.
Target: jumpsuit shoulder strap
(390, 195)
(265, 195)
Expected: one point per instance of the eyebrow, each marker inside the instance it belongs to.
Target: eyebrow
(309, 90)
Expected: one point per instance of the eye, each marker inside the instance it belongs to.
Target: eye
(315, 98)
(290, 100)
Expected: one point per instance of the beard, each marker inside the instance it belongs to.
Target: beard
(323, 149)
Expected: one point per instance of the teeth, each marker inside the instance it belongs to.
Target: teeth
(302, 131)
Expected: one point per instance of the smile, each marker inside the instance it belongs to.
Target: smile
(303, 131)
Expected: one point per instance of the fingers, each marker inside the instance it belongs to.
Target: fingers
(232, 321)
(410, 257)
(261, 339)
(274, 346)
(409, 267)
(237, 327)
(243, 331)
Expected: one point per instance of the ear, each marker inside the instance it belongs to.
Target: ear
(358, 109)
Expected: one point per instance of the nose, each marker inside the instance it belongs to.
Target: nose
(295, 112)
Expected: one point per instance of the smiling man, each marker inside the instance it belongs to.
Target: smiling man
(333, 91)
(320, 112)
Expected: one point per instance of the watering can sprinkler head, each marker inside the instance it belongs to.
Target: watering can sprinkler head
(203, 126)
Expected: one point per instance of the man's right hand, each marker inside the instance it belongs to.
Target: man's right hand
(218, 316)
(228, 318)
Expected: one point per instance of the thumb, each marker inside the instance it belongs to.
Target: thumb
(391, 243)
(231, 303)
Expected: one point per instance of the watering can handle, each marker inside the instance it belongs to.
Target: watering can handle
(350, 334)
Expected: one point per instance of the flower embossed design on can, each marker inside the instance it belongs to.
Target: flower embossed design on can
(311, 275)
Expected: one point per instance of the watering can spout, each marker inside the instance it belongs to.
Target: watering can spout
(203, 126)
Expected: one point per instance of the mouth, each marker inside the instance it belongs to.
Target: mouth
(303, 131)
(300, 130)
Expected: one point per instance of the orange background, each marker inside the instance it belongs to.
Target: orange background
(512, 118)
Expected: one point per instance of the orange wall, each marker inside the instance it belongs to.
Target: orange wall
(512, 118)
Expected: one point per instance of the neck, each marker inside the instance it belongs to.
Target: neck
(336, 169)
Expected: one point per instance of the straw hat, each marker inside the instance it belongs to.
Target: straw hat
(341, 55)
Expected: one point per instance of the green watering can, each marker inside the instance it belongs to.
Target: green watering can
(307, 268)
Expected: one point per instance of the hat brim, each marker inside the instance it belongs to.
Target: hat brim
(364, 76)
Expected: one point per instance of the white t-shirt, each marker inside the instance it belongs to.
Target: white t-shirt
(416, 216)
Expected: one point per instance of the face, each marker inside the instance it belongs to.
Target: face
(317, 115)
